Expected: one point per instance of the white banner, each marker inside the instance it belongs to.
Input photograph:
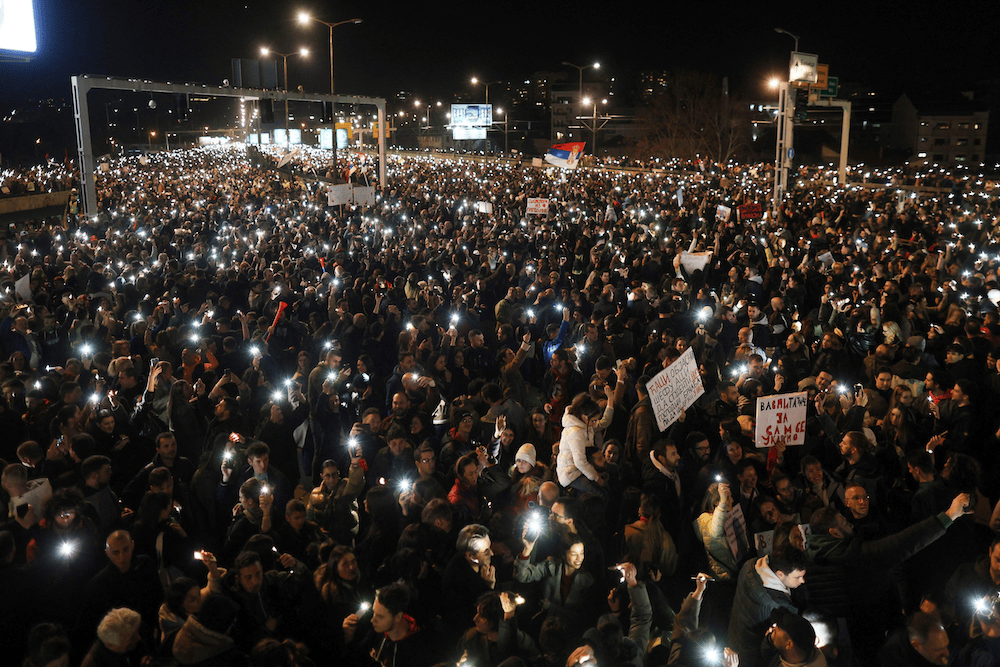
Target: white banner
(674, 389)
(538, 206)
(692, 261)
(484, 207)
(781, 416)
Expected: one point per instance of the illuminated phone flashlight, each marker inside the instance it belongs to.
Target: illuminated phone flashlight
(331, 377)
(718, 478)
(381, 481)
(86, 349)
(67, 549)
(198, 556)
(255, 350)
(405, 485)
(95, 398)
(531, 312)
(620, 569)
(277, 396)
(841, 388)
(409, 326)
(265, 490)
(327, 345)
(560, 307)
(713, 654)
(535, 524)
(363, 608)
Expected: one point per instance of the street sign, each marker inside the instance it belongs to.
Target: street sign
(791, 153)
(822, 73)
(802, 68)
(832, 87)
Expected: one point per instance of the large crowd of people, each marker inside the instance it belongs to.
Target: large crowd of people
(243, 426)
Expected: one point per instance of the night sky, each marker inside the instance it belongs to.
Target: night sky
(433, 48)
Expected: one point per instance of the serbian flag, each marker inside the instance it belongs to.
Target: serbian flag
(565, 155)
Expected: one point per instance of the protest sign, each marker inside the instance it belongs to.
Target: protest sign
(538, 205)
(781, 416)
(484, 207)
(674, 389)
(752, 211)
(692, 261)
(364, 195)
(339, 194)
(723, 212)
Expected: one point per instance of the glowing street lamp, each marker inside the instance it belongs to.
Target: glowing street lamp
(476, 81)
(264, 51)
(580, 69)
(305, 18)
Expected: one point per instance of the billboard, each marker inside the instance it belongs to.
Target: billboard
(280, 137)
(460, 133)
(17, 26)
(295, 137)
(342, 139)
(471, 115)
(326, 138)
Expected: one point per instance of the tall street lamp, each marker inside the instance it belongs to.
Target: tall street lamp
(284, 57)
(580, 69)
(784, 141)
(593, 127)
(506, 143)
(305, 18)
(476, 81)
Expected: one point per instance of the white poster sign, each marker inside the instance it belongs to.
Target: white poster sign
(484, 207)
(693, 261)
(364, 195)
(781, 416)
(723, 212)
(674, 389)
(538, 206)
(339, 194)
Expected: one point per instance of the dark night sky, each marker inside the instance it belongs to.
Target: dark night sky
(432, 48)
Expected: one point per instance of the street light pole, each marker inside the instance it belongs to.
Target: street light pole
(580, 68)
(306, 18)
(785, 125)
(284, 57)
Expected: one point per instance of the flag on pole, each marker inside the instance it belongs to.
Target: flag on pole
(565, 155)
(287, 157)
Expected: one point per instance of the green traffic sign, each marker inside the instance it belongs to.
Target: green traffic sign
(832, 87)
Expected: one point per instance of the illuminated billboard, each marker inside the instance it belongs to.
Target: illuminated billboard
(17, 26)
(471, 115)
(464, 133)
(326, 138)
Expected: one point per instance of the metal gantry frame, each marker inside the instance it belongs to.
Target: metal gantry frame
(83, 84)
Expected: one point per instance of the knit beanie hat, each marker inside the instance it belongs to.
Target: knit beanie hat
(526, 453)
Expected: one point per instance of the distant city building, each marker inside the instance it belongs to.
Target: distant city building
(950, 130)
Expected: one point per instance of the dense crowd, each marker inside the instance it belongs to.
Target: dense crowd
(242, 426)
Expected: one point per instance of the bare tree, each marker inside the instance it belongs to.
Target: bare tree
(695, 116)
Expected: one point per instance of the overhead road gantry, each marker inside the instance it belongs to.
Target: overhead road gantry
(84, 83)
